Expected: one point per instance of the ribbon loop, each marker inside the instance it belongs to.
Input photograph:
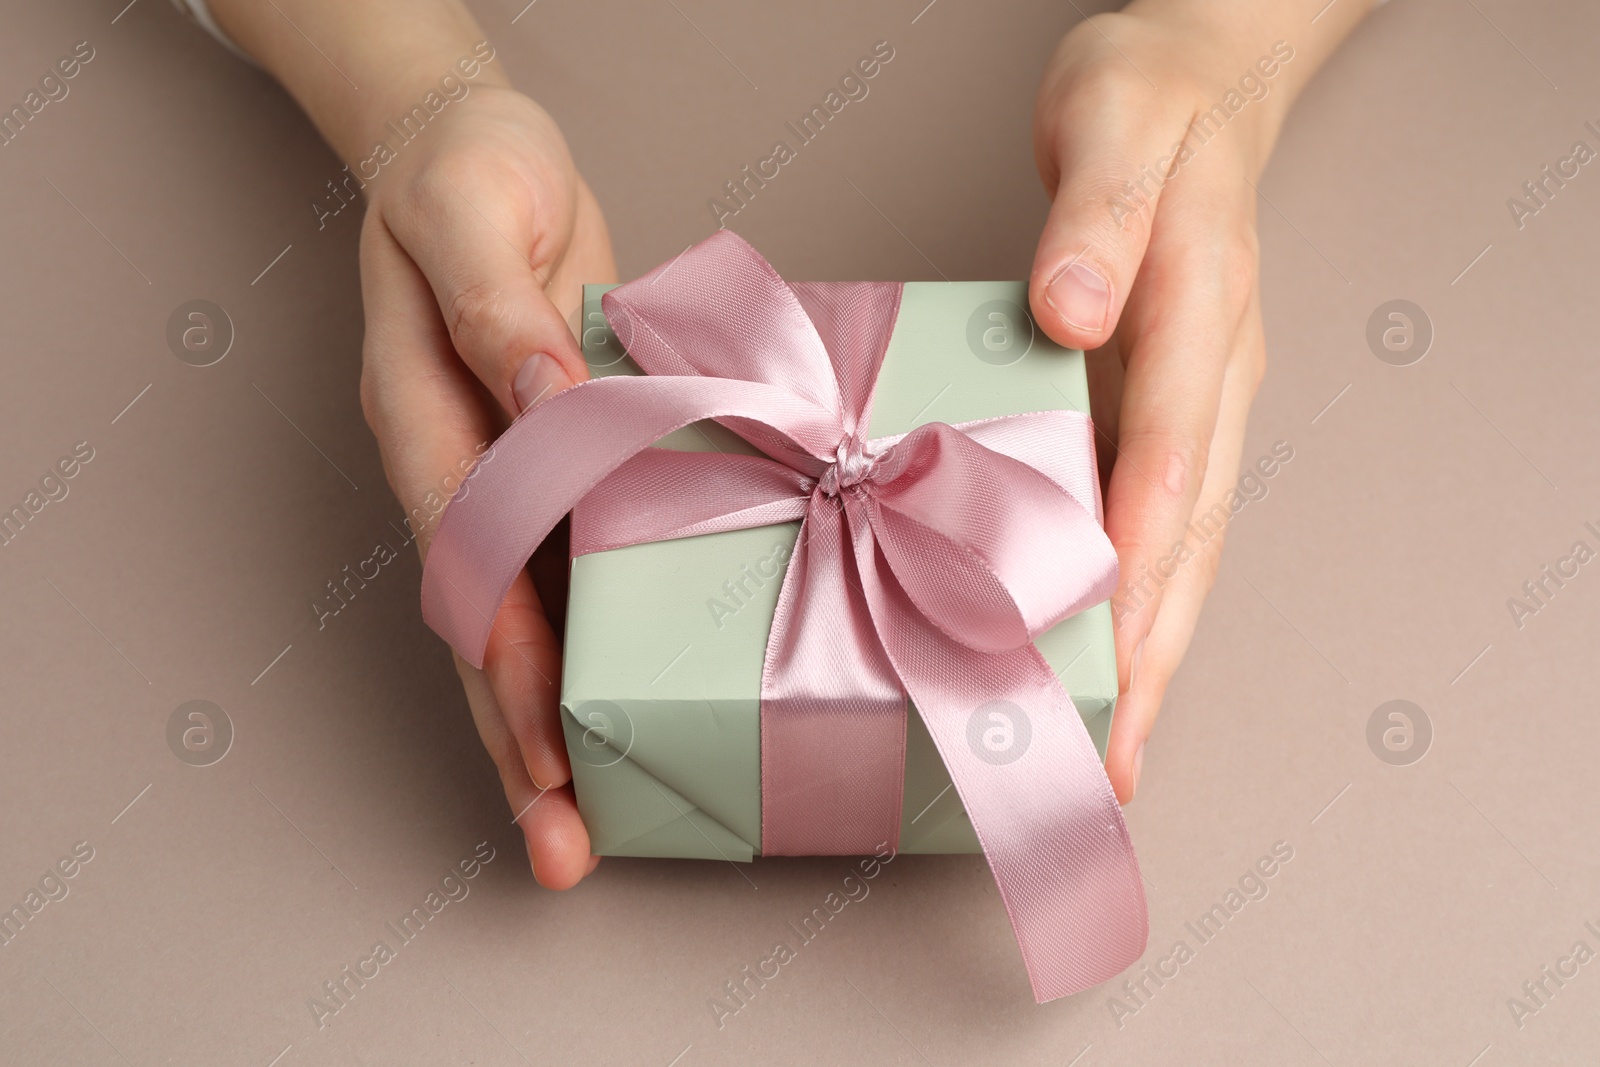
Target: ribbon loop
(987, 547)
(679, 321)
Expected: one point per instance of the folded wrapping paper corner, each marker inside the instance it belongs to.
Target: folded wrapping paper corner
(926, 565)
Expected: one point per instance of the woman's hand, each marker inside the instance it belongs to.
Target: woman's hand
(1151, 128)
(478, 238)
(477, 241)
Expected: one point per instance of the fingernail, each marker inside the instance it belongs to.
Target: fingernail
(538, 377)
(1138, 765)
(527, 843)
(1081, 295)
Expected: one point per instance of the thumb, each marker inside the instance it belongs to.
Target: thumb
(492, 296)
(1107, 169)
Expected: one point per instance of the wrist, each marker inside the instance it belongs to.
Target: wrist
(1230, 46)
(429, 87)
(356, 66)
(1232, 69)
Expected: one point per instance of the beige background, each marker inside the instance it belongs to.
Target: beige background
(186, 556)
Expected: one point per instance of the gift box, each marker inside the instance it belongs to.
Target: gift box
(662, 680)
(839, 585)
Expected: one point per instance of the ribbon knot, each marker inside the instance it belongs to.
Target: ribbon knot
(973, 539)
(852, 465)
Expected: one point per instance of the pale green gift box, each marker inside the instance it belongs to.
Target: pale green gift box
(660, 688)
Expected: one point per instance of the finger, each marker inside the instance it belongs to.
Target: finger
(1106, 373)
(1185, 592)
(432, 419)
(523, 663)
(1177, 335)
(558, 843)
(486, 264)
(1104, 155)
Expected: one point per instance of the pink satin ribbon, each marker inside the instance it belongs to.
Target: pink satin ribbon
(926, 565)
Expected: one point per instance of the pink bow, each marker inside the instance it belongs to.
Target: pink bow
(925, 566)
